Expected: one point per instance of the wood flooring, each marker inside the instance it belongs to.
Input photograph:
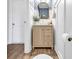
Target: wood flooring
(16, 51)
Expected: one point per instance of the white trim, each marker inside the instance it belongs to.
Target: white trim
(15, 43)
(9, 43)
(59, 54)
(27, 50)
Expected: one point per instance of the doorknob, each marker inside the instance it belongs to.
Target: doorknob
(13, 23)
(24, 21)
(69, 39)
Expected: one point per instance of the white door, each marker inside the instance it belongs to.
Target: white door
(17, 21)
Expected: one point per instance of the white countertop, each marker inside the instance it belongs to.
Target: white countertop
(42, 22)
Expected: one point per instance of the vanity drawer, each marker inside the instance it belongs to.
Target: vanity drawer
(46, 29)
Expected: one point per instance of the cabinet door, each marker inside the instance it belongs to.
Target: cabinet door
(42, 40)
(47, 37)
(36, 36)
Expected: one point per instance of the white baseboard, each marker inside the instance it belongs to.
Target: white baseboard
(9, 43)
(28, 51)
(15, 42)
(59, 54)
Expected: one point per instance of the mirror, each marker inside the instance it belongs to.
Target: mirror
(43, 9)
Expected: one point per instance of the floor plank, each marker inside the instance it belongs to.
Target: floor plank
(16, 51)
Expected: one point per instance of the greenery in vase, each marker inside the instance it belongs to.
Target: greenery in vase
(35, 18)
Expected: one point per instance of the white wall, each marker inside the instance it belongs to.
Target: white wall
(28, 26)
(9, 20)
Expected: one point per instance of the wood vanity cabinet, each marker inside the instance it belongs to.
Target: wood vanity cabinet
(42, 36)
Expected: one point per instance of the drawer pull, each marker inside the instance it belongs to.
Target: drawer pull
(42, 29)
(48, 29)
